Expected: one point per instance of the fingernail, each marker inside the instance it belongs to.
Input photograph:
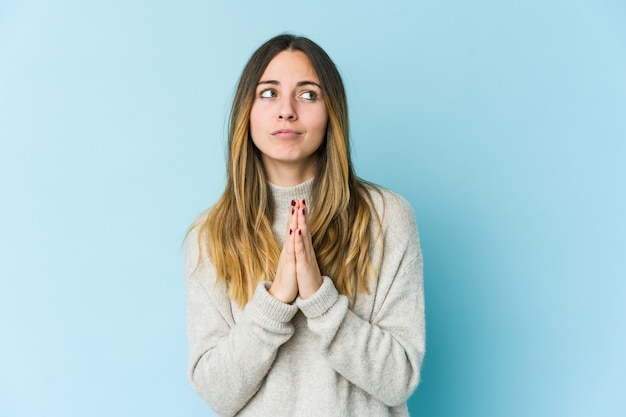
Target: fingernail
(292, 210)
(293, 202)
(303, 210)
(300, 231)
(303, 202)
(290, 231)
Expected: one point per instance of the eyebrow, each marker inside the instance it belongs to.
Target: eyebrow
(299, 84)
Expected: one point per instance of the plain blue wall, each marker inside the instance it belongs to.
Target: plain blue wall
(502, 122)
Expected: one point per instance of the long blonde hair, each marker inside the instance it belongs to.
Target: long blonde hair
(237, 231)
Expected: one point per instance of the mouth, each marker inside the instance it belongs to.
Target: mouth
(286, 133)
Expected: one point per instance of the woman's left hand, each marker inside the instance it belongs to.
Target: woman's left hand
(307, 270)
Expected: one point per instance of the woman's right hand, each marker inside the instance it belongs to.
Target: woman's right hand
(285, 285)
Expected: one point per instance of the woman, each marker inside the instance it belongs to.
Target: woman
(304, 282)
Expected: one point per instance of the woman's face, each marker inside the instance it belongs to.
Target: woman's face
(288, 118)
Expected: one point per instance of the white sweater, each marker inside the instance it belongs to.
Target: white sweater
(315, 357)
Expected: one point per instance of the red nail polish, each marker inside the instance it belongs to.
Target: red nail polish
(290, 231)
(293, 202)
(299, 231)
(292, 210)
(302, 210)
(303, 202)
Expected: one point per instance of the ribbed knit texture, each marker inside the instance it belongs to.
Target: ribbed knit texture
(316, 357)
(282, 201)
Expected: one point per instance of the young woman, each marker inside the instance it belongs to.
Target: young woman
(304, 282)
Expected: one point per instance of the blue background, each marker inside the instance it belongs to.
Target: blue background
(502, 122)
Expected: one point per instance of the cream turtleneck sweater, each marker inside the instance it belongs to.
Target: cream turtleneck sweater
(315, 357)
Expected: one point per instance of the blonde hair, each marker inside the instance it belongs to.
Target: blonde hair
(237, 231)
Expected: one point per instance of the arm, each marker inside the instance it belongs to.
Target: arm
(229, 361)
(381, 356)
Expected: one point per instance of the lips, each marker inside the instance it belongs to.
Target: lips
(286, 133)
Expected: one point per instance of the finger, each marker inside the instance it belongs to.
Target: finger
(299, 246)
(305, 254)
(307, 269)
(292, 222)
(292, 230)
(302, 212)
(285, 285)
(306, 263)
(303, 229)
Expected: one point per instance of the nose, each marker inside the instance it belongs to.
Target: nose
(287, 110)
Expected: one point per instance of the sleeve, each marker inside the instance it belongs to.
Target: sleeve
(381, 356)
(228, 360)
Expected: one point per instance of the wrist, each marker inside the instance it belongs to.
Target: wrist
(319, 303)
(310, 288)
(282, 297)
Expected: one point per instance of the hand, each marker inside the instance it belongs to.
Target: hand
(285, 286)
(308, 273)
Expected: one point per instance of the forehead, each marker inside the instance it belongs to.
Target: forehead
(288, 65)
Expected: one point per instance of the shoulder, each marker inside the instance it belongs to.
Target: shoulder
(394, 221)
(195, 246)
(393, 210)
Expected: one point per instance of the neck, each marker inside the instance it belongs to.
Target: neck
(288, 173)
(289, 176)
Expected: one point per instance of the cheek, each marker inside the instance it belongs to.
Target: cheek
(316, 118)
(322, 124)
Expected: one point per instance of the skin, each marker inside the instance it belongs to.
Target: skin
(288, 118)
(298, 271)
(288, 124)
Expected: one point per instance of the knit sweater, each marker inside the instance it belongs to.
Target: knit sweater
(319, 356)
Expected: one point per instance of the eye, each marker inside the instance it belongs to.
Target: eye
(309, 95)
(269, 93)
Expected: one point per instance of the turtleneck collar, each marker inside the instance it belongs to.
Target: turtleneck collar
(282, 203)
(284, 195)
